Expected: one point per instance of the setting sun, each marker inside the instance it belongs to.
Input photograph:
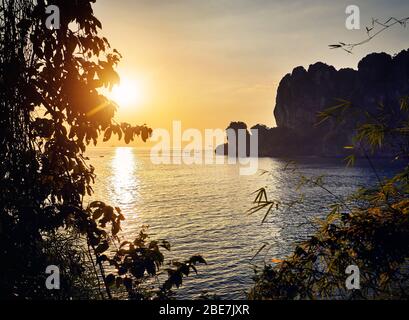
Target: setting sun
(128, 93)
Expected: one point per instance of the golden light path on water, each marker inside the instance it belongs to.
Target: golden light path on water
(125, 178)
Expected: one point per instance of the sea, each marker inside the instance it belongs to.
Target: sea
(204, 209)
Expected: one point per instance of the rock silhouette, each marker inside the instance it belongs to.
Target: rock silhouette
(379, 80)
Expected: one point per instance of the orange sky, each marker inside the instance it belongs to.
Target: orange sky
(209, 62)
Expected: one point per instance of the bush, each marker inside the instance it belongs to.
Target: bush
(369, 230)
(51, 109)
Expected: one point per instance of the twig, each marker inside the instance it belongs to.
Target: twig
(348, 47)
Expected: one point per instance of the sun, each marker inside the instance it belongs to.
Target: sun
(127, 94)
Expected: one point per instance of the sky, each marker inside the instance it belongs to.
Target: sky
(209, 62)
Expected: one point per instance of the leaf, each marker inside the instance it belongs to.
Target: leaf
(110, 280)
(102, 258)
(104, 246)
(350, 160)
(137, 270)
(128, 284)
(193, 268)
(97, 214)
(166, 245)
(123, 244)
(267, 213)
(277, 260)
(259, 207)
(97, 204)
(176, 279)
(116, 227)
(258, 252)
(197, 259)
(109, 213)
(261, 194)
(118, 282)
(299, 251)
(150, 268)
(122, 270)
(107, 134)
(334, 46)
(185, 270)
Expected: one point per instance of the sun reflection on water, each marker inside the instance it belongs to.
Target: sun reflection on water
(124, 177)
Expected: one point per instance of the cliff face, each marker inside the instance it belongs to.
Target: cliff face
(380, 78)
(302, 94)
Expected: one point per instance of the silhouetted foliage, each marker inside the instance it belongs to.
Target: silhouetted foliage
(375, 29)
(370, 229)
(51, 109)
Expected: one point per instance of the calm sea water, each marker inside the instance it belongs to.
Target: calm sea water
(201, 209)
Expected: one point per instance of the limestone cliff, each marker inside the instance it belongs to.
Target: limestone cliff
(302, 94)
